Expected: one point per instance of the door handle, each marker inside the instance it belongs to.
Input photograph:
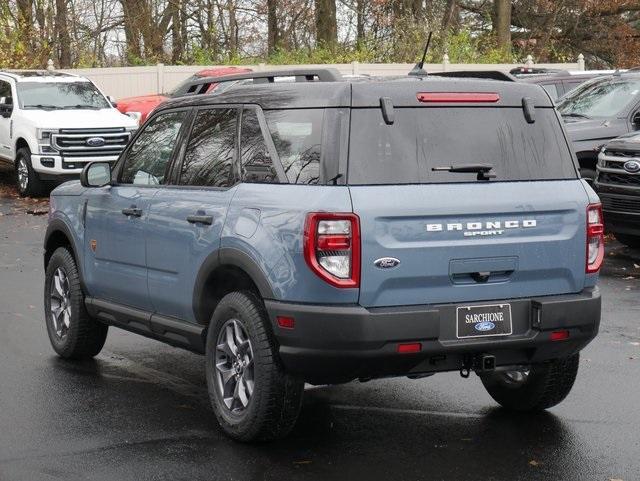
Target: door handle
(200, 219)
(132, 211)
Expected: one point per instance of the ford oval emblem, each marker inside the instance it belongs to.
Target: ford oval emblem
(386, 263)
(95, 142)
(632, 166)
(485, 326)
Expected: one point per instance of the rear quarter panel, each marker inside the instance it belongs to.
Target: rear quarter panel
(266, 221)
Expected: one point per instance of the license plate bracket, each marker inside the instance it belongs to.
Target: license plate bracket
(483, 321)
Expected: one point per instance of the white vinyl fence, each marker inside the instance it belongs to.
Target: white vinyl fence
(123, 82)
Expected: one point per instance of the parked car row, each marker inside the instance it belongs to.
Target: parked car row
(52, 124)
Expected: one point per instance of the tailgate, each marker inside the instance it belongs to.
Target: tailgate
(470, 241)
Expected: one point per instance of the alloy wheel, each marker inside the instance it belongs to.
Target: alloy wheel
(23, 175)
(60, 303)
(234, 366)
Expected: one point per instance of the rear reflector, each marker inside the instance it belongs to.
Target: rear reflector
(559, 335)
(286, 322)
(409, 347)
(454, 97)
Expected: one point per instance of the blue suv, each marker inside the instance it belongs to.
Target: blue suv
(299, 227)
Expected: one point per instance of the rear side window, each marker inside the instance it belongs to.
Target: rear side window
(255, 161)
(423, 138)
(297, 135)
(211, 150)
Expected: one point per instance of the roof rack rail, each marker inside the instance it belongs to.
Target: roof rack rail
(202, 85)
(482, 74)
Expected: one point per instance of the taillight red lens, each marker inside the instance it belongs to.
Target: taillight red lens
(559, 335)
(332, 247)
(455, 97)
(595, 238)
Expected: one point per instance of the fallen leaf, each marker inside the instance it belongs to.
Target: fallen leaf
(302, 462)
(533, 462)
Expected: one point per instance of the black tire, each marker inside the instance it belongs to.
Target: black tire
(274, 403)
(545, 386)
(84, 337)
(629, 240)
(27, 180)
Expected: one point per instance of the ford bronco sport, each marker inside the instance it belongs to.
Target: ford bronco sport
(323, 230)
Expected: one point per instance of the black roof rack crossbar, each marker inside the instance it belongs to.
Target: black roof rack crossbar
(201, 85)
(483, 74)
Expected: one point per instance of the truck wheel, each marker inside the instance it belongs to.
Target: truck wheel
(252, 397)
(628, 240)
(72, 332)
(541, 387)
(27, 180)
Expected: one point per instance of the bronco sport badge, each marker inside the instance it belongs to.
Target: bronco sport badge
(489, 228)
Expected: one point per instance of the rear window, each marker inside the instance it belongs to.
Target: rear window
(423, 138)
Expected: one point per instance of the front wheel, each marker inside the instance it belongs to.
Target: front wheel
(252, 396)
(72, 332)
(540, 387)
(27, 180)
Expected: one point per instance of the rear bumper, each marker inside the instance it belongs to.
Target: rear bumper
(331, 344)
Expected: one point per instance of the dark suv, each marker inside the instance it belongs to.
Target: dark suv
(322, 230)
(618, 184)
(600, 110)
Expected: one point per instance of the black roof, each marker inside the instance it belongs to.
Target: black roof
(362, 92)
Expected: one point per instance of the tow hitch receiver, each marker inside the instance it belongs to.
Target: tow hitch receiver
(479, 363)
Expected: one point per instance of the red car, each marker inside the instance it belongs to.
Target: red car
(140, 107)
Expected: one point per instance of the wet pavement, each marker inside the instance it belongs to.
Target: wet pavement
(139, 411)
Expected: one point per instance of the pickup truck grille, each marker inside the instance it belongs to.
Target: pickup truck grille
(611, 168)
(90, 142)
(620, 204)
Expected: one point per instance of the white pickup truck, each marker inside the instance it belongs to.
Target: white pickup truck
(52, 124)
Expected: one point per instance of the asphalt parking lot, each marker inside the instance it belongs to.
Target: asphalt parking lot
(140, 410)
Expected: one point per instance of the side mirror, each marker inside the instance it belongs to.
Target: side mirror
(96, 174)
(112, 101)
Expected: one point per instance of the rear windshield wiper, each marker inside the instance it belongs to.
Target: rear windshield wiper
(575, 114)
(483, 170)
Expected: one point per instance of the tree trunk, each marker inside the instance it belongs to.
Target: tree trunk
(131, 30)
(62, 33)
(25, 24)
(273, 36)
(449, 14)
(502, 23)
(360, 18)
(326, 25)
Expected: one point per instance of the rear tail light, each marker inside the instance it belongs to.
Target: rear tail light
(332, 247)
(595, 238)
(409, 348)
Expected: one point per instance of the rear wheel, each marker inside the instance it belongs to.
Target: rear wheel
(540, 387)
(27, 180)
(252, 397)
(72, 332)
(629, 240)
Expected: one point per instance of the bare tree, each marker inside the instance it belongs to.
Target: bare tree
(326, 23)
